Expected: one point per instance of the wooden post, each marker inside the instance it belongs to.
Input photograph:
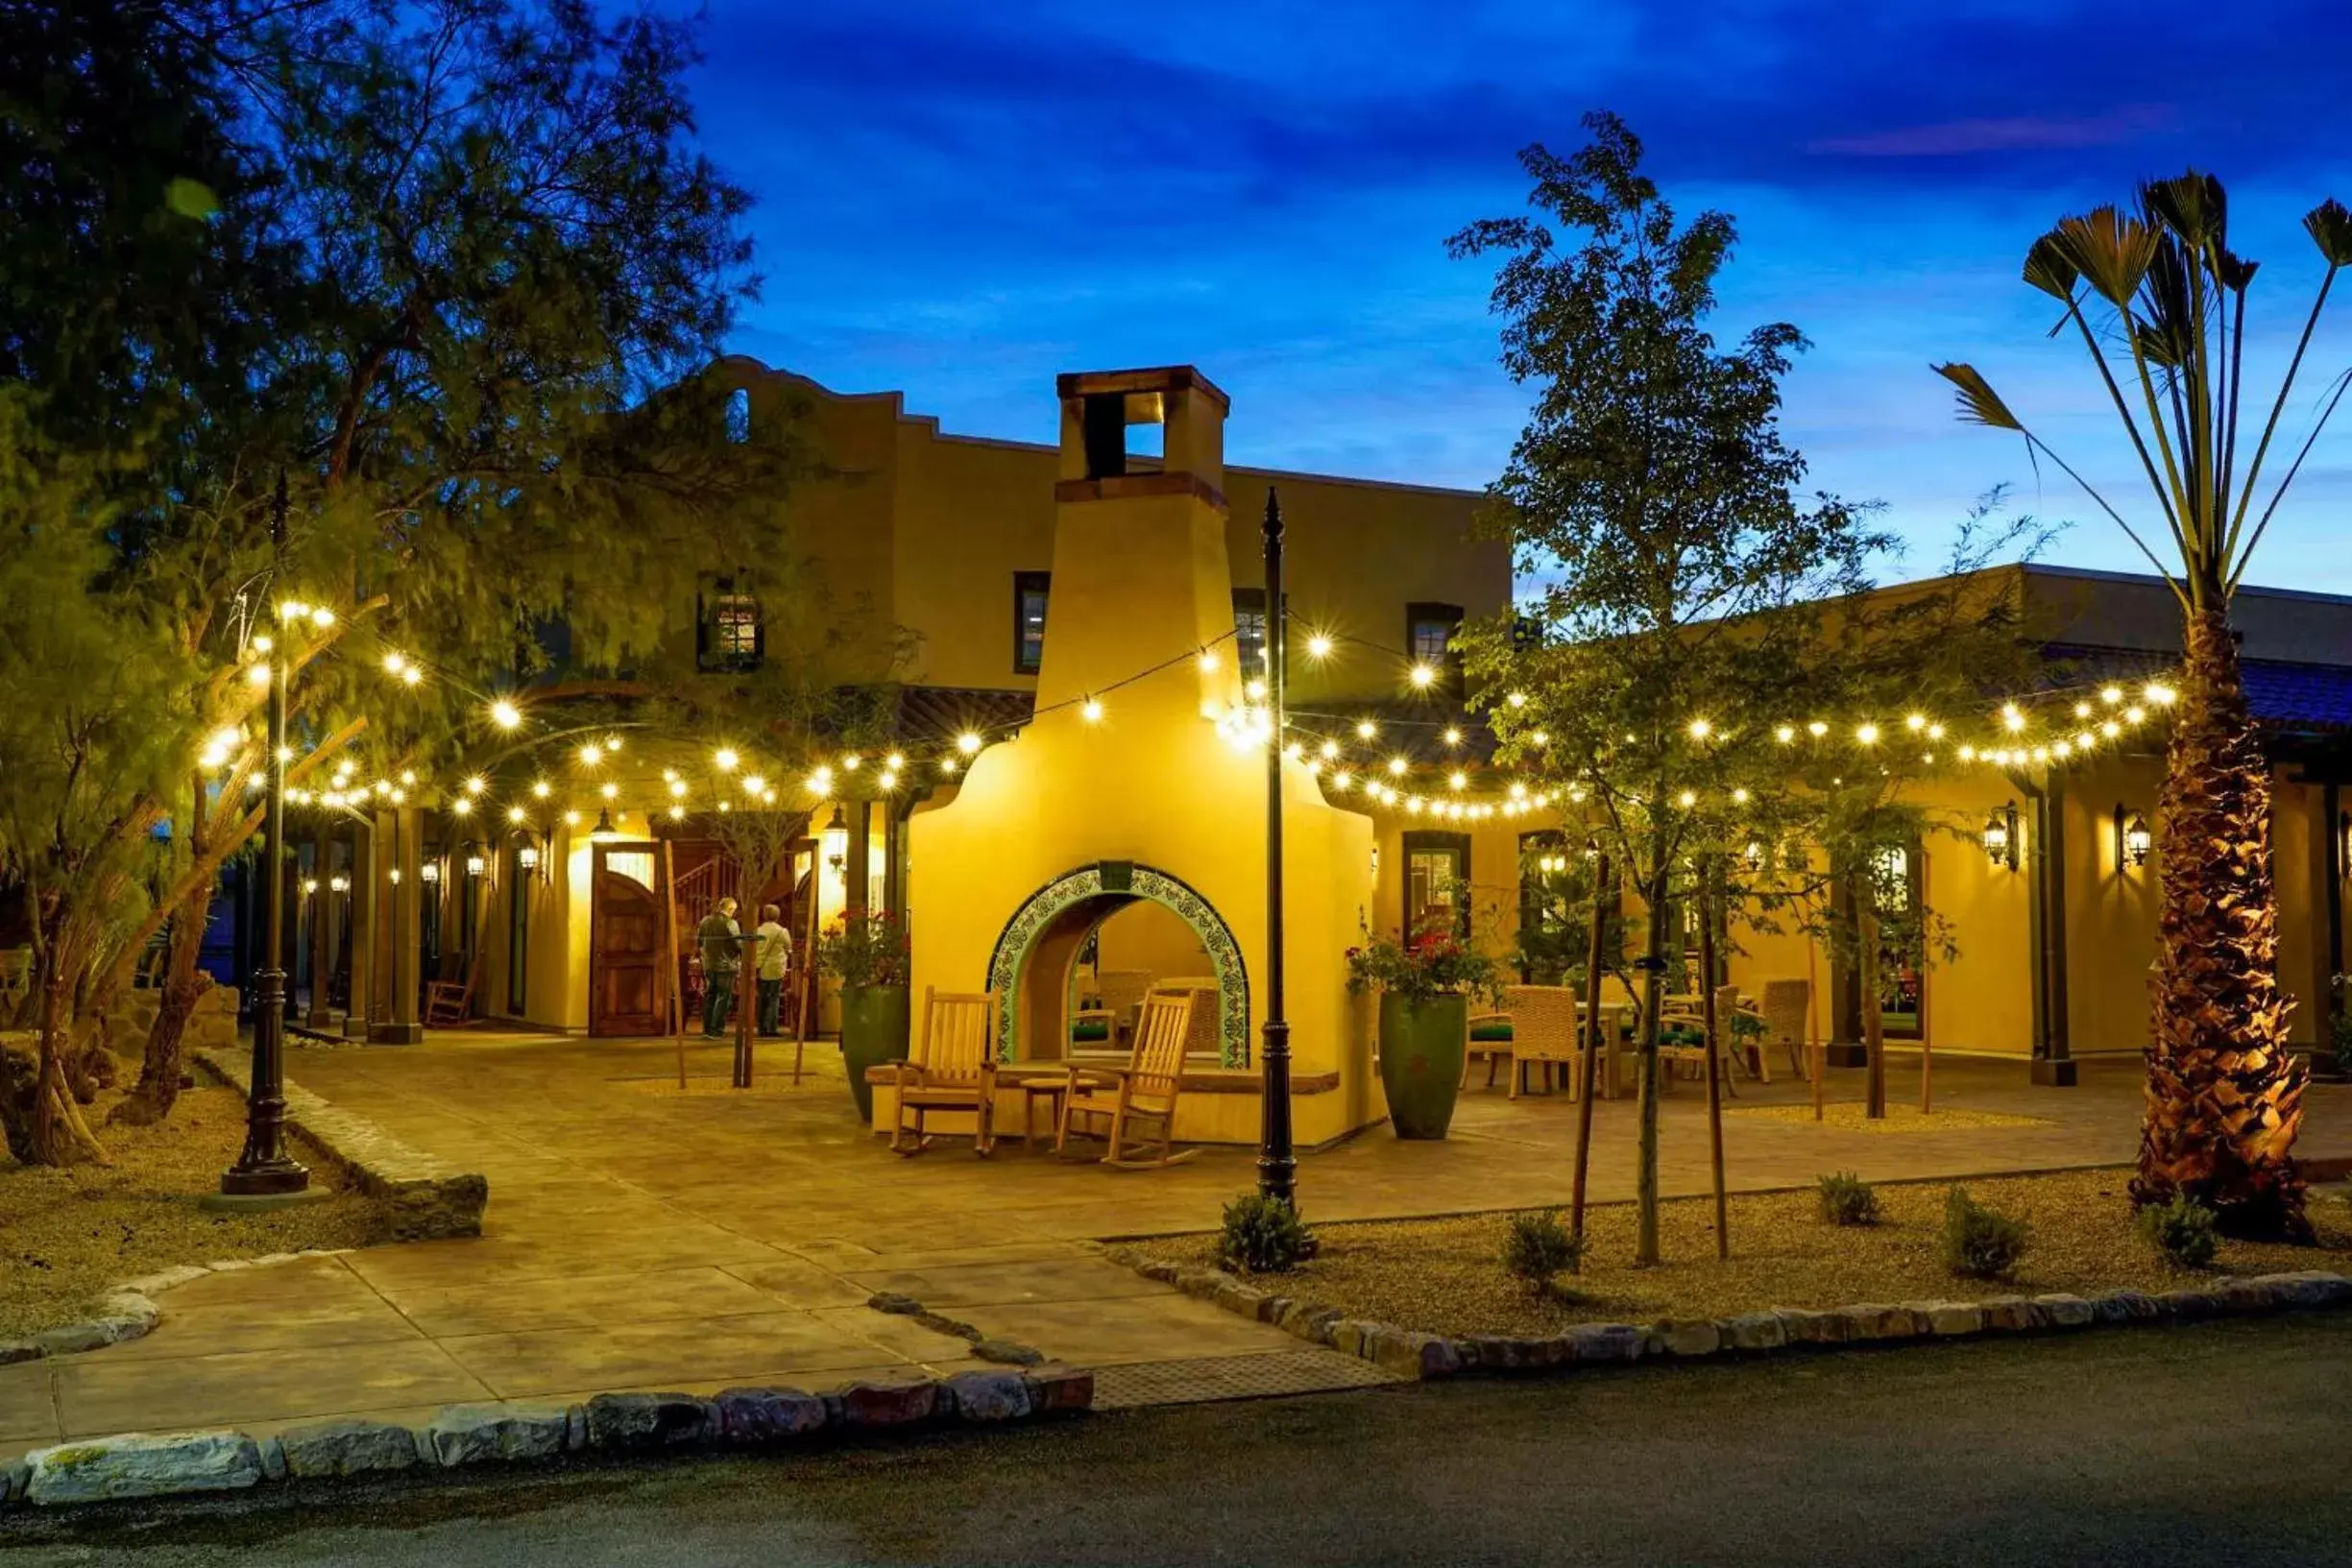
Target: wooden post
(1596, 1041)
(1714, 1052)
(1816, 1051)
(747, 969)
(1874, 1024)
(674, 1013)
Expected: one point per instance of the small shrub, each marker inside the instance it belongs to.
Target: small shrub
(1537, 1246)
(2182, 1230)
(1847, 1199)
(1263, 1235)
(1980, 1242)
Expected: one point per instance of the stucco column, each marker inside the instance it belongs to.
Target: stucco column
(362, 1012)
(403, 928)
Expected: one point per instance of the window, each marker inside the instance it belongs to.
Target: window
(1437, 884)
(731, 633)
(1029, 591)
(1429, 640)
(1899, 888)
(739, 416)
(1249, 632)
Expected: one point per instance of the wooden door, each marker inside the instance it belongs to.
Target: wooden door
(624, 952)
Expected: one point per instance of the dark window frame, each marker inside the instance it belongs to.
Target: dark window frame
(518, 933)
(715, 655)
(1429, 839)
(1422, 613)
(1024, 583)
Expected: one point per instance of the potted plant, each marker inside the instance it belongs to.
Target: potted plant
(1425, 985)
(866, 953)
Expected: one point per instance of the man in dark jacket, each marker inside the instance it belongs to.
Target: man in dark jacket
(722, 954)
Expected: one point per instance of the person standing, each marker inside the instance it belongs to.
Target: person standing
(722, 954)
(775, 957)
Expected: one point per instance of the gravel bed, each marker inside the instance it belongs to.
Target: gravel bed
(1442, 1277)
(68, 1236)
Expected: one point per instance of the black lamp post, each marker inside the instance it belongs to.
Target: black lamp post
(1278, 1167)
(265, 1169)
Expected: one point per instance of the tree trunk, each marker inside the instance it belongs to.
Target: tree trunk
(185, 984)
(2224, 1096)
(1652, 992)
(57, 1134)
(1869, 980)
(1596, 1040)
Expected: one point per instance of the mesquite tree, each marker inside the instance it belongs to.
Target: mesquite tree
(2158, 300)
(1652, 497)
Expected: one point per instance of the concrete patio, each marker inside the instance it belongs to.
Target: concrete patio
(638, 1238)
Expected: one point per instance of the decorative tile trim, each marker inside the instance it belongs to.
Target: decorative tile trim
(1009, 958)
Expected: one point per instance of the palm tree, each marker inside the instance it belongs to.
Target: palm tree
(2225, 1097)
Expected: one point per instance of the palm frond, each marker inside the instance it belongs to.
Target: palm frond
(1979, 404)
(2330, 227)
(2111, 249)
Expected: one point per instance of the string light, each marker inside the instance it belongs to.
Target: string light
(590, 755)
(505, 714)
(1817, 729)
(1784, 734)
(1424, 677)
(725, 759)
(967, 742)
(1366, 729)
(1091, 711)
(1208, 662)
(1319, 645)
(1700, 729)
(1867, 734)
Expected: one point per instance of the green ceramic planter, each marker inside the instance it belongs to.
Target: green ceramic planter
(873, 1031)
(1421, 1061)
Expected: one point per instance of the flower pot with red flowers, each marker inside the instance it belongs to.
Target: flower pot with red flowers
(867, 953)
(1425, 984)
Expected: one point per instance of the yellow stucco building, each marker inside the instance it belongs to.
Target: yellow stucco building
(1093, 610)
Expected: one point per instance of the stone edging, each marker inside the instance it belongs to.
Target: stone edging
(430, 1196)
(129, 1312)
(1413, 1353)
(159, 1464)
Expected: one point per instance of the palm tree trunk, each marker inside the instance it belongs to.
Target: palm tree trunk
(2224, 1096)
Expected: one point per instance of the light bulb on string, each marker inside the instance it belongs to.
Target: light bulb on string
(1366, 729)
(1319, 645)
(1422, 677)
(505, 714)
(967, 742)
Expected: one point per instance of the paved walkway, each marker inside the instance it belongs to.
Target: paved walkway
(642, 1238)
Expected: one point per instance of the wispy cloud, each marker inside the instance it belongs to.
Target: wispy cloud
(1954, 138)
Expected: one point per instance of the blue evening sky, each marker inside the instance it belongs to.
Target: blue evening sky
(959, 201)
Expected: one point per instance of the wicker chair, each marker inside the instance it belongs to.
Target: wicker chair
(1685, 1013)
(1203, 1040)
(1145, 1090)
(1543, 1029)
(1786, 1002)
(1117, 993)
(953, 1068)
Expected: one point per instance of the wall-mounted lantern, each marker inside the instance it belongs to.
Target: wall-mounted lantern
(2132, 838)
(310, 886)
(836, 843)
(429, 873)
(475, 864)
(338, 883)
(527, 856)
(2001, 835)
(1753, 856)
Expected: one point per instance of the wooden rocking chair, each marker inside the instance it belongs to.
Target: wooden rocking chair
(953, 1068)
(449, 1002)
(1145, 1089)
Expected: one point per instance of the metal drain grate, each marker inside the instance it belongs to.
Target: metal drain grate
(1233, 1377)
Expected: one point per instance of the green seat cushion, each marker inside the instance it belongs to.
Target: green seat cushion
(1092, 1030)
(1490, 1034)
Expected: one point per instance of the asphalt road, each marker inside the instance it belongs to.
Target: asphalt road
(2223, 1443)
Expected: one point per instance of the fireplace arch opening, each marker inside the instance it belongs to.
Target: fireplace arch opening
(1034, 968)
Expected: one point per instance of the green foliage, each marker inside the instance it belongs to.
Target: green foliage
(1537, 1248)
(1263, 1235)
(865, 947)
(1980, 1242)
(2182, 1229)
(1847, 1199)
(1435, 962)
